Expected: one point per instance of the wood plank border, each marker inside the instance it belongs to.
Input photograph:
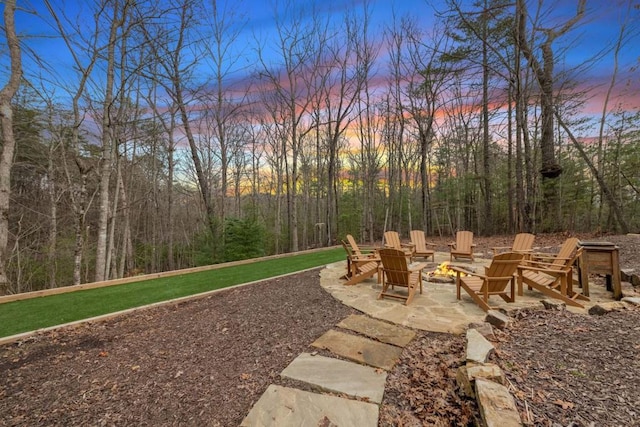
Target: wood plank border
(144, 277)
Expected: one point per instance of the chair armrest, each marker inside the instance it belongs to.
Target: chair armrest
(542, 269)
(467, 272)
(417, 267)
(368, 248)
(365, 258)
(542, 264)
(542, 256)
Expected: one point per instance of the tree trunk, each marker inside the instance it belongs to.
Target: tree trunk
(53, 220)
(107, 150)
(8, 140)
(486, 152)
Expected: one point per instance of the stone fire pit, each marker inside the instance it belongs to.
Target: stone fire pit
(444, 274)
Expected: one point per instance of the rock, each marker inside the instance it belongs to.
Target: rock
(439, 279)
(632, 300)
(628, 290)
(485, 329)
(553, 305)
(496, 404)
(626, 274)
(478, 348)
(607, 307)
(631, 276)
(467, 268)
(497, 319)
(464, 382)
(467, 375)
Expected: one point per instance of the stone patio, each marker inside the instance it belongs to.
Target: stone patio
(437, 308)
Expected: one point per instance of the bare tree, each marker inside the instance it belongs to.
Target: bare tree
(544, 73)
(343, 79)
(427, 77)
(108, 139)
(171, 50)
(299, 46)
(225, 104)
(8, 141)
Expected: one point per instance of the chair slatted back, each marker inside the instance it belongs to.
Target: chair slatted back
(395, 266)
(567, 252)
(501, 270)
(464, 240)
(418, 239)
(523, 242)
(392, 239)
(354, 246)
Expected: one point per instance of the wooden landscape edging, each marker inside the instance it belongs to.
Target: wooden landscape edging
(144, 277)
(23, 335)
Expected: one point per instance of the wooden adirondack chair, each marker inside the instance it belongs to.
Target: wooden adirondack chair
(463, 246)
(396, 271)
(360, 267)
(559, 259)
(392, 240)
(362, 252)
(497, 277)
(523, 243)
(553, 277)
(420, 245)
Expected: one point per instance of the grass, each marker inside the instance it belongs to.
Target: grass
(31, 314)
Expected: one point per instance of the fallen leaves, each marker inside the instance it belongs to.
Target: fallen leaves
(563, 404)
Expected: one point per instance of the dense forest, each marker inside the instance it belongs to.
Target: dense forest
(155, 143)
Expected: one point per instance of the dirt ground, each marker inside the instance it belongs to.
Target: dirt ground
(206, 361)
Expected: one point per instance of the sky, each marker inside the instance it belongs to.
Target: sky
(596, 34)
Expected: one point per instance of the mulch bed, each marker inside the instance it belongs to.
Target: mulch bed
(574, 370)
(200, 362)
(207, 361)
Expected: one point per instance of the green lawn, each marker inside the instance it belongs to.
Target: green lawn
(30, 314)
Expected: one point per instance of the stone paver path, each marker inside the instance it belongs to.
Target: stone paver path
(288, 407)
(359, 349)
(338, 376)
(363, 379)
(382, 331)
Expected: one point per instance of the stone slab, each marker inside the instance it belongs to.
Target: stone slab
(379, 330)
(631, 300)
(478, 347)
(497, 319)
(338, 376)
(287, 407)
(496, 404)
(359, 349)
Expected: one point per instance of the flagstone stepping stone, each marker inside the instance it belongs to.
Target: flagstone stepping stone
(377, 329)
(288, 407)
(478, 347)
(338, 376)
(496, 404)
(359, 349)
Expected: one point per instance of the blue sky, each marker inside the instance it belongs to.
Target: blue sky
(595, 34)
